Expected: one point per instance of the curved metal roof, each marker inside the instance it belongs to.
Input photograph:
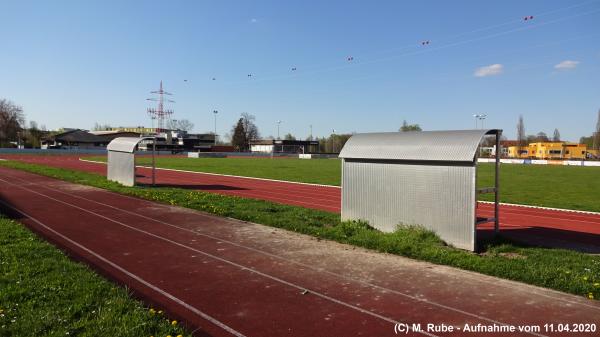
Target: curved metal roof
(125, 144)
(459, 145)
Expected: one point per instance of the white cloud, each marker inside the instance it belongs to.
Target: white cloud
(253, 20)
(566, 65)
(491, 70)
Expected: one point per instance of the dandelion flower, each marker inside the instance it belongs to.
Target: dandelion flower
(174, 323)
(597, 285)
(585, 278)
(591, 296)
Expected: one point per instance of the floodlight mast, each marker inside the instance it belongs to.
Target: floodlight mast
(160, 113)
(480, 117)
(215, 112)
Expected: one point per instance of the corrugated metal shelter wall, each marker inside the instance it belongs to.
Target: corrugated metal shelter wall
(121, 167)
(438, 197)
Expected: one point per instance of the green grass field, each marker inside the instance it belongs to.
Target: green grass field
(571, 187)
(564, 270)
(44, 293)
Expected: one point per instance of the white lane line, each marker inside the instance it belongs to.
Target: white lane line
(339, 187)
(242, 267)
(318, 270)
(544, 208)
(133, 276)
(482, 278)
(222, 175)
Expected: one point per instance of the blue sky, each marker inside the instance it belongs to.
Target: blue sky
(74, 63)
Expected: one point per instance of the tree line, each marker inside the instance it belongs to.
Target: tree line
(592, 142)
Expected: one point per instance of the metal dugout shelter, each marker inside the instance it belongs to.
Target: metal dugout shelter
(425, 178)
(121, 159)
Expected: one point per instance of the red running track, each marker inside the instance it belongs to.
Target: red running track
(231, 278)
(554, 228)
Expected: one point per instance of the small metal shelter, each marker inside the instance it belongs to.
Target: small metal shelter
(423, 178)
(121, 159)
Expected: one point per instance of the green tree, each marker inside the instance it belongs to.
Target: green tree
(243, 132)
(409, 127)
(238, 140)
(588, 141)
(289, 136)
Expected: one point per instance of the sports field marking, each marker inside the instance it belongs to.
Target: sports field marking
(242, 267)
(126, 272)
(339, 187)
(280, 257)
(495, 281)
(488, 279)
(221, 175)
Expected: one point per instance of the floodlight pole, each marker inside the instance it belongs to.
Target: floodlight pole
(215, 112)
(278, 123)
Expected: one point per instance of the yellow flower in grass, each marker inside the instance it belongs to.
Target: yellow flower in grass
(152, 311)
(585, 278)
(173, 322)
(591, 296)
(179, 335)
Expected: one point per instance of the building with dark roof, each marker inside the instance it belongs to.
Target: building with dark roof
(74, 139)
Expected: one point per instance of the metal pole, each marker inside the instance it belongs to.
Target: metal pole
(311, 134)
(153, 161)
(497, 184)
(278, 123)
(215, 112)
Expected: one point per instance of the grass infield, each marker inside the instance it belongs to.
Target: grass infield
(569, 187)
(564, 270)
(44, 293)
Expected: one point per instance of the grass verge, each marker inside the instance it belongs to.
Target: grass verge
(563, 270)
(44, 293)
(570, 187)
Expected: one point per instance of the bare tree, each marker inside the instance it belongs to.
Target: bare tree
(596, 144)
(12, 120)
(289, 136)
(556, 136)
(101, 127)
(521, 139)
(250, 129)
(180, 125)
